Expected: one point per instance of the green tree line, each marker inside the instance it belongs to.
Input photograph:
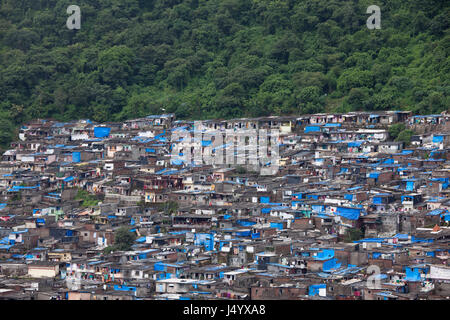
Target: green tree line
(219, 59)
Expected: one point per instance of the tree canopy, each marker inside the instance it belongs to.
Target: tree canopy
(123, 239)
(219, 58)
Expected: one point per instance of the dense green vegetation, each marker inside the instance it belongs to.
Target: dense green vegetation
(169, 207)
(353, 234)
(123, 240)
(88, 200)
(219, 58)
(398, 132)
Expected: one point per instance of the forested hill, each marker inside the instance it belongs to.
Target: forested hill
(219, 58)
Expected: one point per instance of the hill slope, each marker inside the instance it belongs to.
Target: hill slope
(219, 58)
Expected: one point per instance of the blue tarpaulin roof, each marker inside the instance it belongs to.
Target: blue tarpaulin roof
(177, 162)
(370, 240)
(4, 240)
(170, 172)
(409, 185)
(76, 157)
(101, 132)
(328, 125)
(18, 188)
(348, 213)
(374, 175)
(436, 212)
(355, 143)
(354, 188)
(312, 128)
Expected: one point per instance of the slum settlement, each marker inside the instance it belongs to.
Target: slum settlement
(355, 207)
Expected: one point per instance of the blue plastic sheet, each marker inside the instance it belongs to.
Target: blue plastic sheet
(264, 199)
(76, 157)
(312, 129)
(101, 132)
(348, 213)
(314, 289)
(355, 143)
(374, 175)
(410, 186)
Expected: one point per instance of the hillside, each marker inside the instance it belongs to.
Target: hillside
(219, 58)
